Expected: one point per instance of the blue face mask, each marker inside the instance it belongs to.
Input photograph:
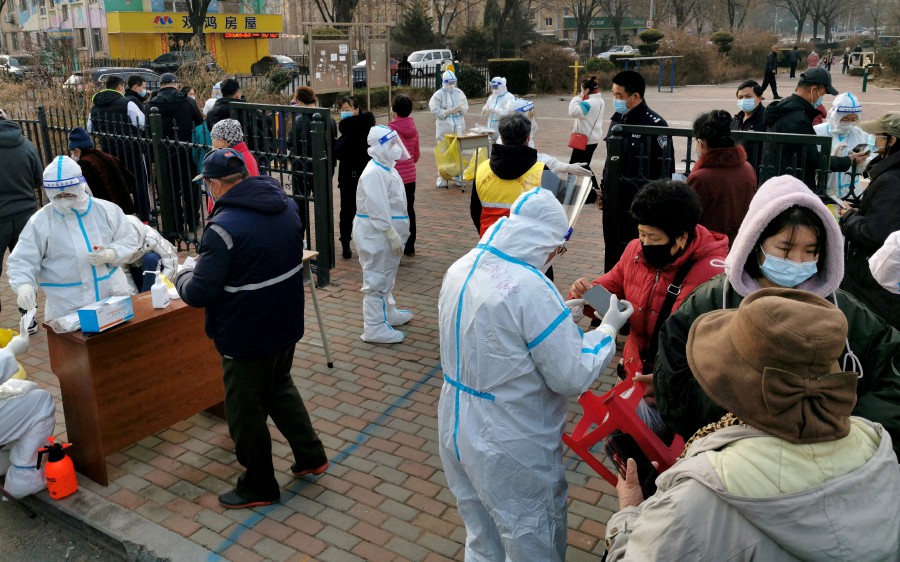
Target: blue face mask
(746, 104)
(620, 106)
(787, 273)
(346, 114)
(818, 102)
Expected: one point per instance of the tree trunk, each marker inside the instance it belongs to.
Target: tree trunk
(343, 10)
(617, 28)
(815, 27)
(801, 22)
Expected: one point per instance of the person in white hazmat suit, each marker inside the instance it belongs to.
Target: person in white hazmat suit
(449, 106)
(842, 125)
(26, 422)
(512, 356)
(497, 104)
(73, 247)
(557, 166)
(380, 228)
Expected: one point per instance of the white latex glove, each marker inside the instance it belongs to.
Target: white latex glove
(577, 308)
(19, 344)
(101, 256)
(189, 263)
(487, 110)
(27, 297)
(395, 241)
(578, 169)
(614, 318)
(457, 109)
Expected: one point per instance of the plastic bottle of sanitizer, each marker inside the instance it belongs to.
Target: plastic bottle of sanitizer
(159, 292)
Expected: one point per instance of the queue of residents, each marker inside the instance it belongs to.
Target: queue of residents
(761, 327)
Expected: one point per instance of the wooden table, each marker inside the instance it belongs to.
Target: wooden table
(134, 380)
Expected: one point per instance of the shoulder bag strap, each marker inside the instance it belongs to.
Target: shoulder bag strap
(665, 311)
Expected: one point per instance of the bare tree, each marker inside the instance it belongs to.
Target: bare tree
(336, 11)
(508, 8)
(799, 9)
(615, 10)
(584, 11)
(875, 9)
(684, 11)
(737, 12)
(827, 12)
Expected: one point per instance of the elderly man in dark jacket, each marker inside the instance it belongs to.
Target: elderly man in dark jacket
(771, 71)
(249, 278)
(22, 172)
(795, 115)
(867, 229)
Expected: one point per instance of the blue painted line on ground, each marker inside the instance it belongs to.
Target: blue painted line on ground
(260, 513)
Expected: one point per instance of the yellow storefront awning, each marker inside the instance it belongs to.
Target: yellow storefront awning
(177, 22)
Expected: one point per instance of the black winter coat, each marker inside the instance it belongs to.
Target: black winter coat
(771, 62)
(248, 275)
(866, 230)
(220, 110)
(755, 123)
(177, 110)
(794, 115)
(352, 148)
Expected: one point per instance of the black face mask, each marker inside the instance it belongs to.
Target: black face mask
(660, 255)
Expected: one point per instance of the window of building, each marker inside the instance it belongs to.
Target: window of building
(82, 41)
(65, 12)
(14, 41)
(548, 22)
(98, 39)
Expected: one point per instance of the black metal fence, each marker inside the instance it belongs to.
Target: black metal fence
(806, 157)
(160, 162)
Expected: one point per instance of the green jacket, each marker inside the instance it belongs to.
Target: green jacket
(685, 407)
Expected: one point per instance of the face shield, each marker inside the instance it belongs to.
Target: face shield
(498, 85)
(386, 145)
(64, 184)
(448, 80)
(845, 113)
(522, 105)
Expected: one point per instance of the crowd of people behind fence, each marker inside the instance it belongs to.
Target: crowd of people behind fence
(759, 296)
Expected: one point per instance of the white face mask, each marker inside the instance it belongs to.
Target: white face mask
(842, 128)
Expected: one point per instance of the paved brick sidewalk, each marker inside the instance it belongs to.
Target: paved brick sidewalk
(385, 496)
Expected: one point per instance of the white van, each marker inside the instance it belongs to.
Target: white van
(425, 61)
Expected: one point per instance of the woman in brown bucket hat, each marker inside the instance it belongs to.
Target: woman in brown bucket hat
(787, 473)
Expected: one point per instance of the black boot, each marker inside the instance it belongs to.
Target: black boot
(345, 253)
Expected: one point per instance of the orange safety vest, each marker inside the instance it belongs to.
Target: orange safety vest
(497, 195)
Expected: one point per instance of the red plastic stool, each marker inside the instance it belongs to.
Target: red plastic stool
(617, 410)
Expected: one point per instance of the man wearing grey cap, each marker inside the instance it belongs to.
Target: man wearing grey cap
(794, 114)
(179, 117)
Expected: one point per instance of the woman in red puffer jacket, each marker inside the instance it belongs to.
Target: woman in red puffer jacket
(406, 128)
(669, 238)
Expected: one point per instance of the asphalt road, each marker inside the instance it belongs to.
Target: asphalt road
(43, 539)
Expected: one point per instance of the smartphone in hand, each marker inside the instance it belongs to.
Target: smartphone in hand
(598, 298)
(861, 147)
(621, 447)
(840, 202)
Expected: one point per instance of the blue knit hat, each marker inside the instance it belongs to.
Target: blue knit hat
(79, 138)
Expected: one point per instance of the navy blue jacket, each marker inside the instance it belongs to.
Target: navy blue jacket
(248, 274)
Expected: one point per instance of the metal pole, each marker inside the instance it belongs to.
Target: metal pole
(321, 196)
(165, 190)
(45, 134)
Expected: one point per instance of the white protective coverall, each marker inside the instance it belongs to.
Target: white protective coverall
(885, 264)
(54, 248)
(217, 93)
(512, 357)
(26, 422)
(449, 106)
(844, 137)
(497, 104)
(380, 228)
(150, 240)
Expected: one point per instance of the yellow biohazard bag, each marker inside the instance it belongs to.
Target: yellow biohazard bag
(446, 156)
(6, 336)
(480, 156)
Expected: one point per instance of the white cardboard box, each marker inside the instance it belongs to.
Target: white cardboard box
(105, 314)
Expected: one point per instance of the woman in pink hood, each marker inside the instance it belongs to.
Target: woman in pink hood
(406, 128)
